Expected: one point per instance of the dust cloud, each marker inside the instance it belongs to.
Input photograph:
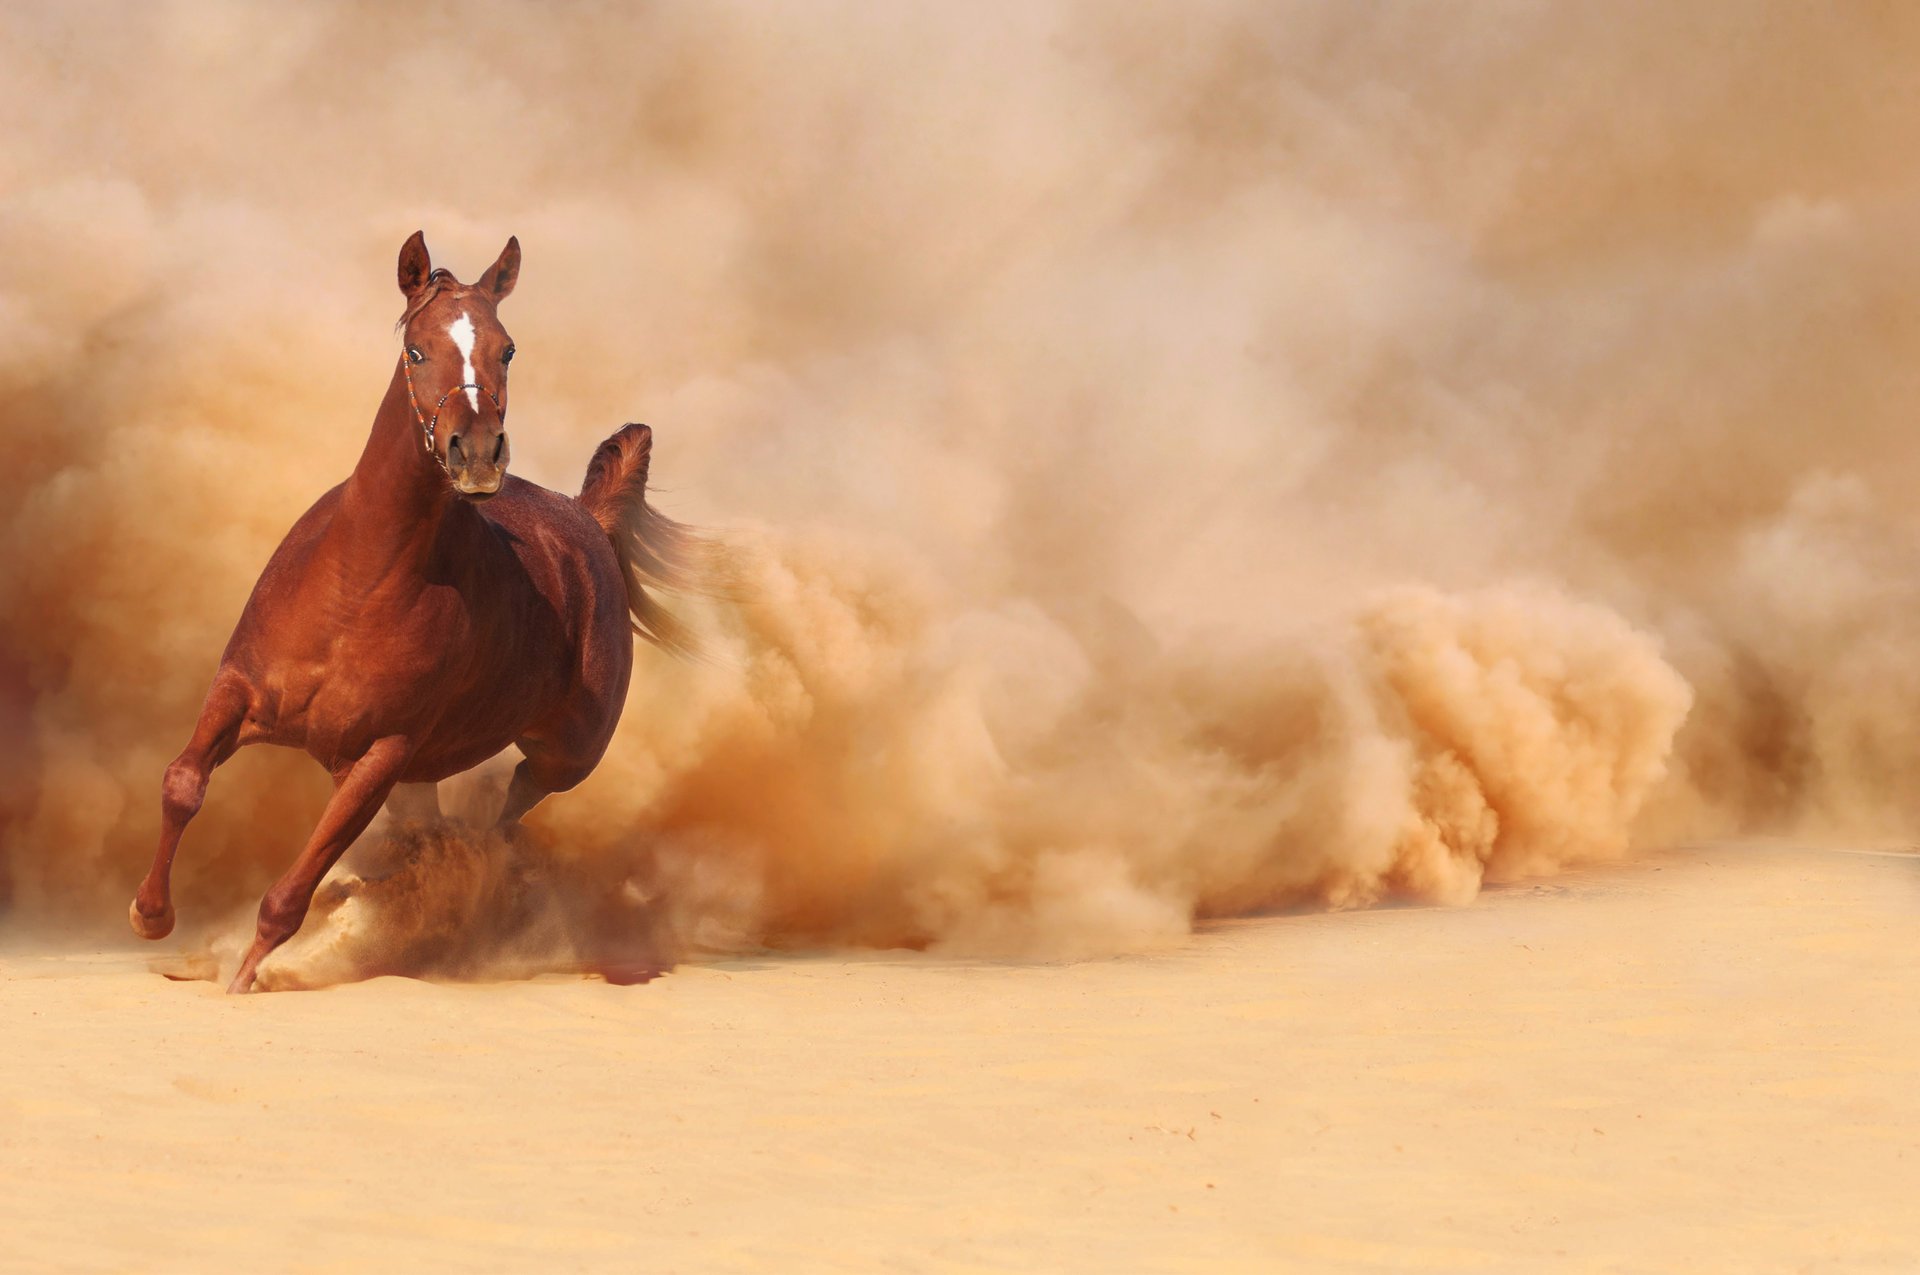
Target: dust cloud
(1186, 460)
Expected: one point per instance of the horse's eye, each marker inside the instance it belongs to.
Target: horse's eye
(414, 355)
(506, 355)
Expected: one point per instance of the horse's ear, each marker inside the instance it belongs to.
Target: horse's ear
(415, 265)
(500, 276)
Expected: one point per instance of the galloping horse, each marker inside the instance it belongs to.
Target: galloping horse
(432, 609)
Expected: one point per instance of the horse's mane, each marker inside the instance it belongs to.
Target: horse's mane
(436, 283)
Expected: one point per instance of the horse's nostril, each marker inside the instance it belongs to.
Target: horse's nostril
(453, 450)
(499, 448)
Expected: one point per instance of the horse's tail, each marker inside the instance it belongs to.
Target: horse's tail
(654, 551)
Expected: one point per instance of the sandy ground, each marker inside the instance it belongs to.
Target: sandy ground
(1707, 1060)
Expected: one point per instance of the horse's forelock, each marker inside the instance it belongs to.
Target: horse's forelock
(436, 283)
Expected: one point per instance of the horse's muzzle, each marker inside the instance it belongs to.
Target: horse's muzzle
(478, 466)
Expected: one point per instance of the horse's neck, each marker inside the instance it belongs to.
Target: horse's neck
(395, 507)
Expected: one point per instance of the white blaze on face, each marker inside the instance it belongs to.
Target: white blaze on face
(461, 330)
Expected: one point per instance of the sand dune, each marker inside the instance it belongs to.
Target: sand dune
(1706, 1060)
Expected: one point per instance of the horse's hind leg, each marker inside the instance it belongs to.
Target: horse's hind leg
(181, 791)
(524, 792)
(357, 795)
(546, 769)
(610, 928)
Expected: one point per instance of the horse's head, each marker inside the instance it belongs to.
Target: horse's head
(455, 361)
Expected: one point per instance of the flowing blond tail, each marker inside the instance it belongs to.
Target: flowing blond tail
(654, 551)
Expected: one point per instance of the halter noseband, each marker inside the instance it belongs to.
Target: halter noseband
(429, 424)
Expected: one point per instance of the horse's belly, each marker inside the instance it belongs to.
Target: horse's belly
(444, 754)
(450, 722)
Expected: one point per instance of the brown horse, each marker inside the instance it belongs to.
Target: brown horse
(432, 610)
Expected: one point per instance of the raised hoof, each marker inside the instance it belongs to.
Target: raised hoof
(150, 927)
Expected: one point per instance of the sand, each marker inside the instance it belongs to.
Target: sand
(1705, 1059)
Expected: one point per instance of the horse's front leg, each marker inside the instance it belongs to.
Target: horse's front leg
(358, 791)
(181, 792)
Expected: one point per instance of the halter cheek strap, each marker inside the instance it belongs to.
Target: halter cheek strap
(429, 424)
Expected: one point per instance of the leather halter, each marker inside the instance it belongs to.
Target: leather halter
(428, 425)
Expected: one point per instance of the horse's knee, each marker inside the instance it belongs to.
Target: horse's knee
(182, 789)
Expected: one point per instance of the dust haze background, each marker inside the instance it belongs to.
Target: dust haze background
(1189, 459)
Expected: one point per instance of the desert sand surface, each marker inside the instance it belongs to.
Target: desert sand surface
(1707, 1059)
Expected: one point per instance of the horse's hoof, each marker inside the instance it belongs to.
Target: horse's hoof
(156, 926)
